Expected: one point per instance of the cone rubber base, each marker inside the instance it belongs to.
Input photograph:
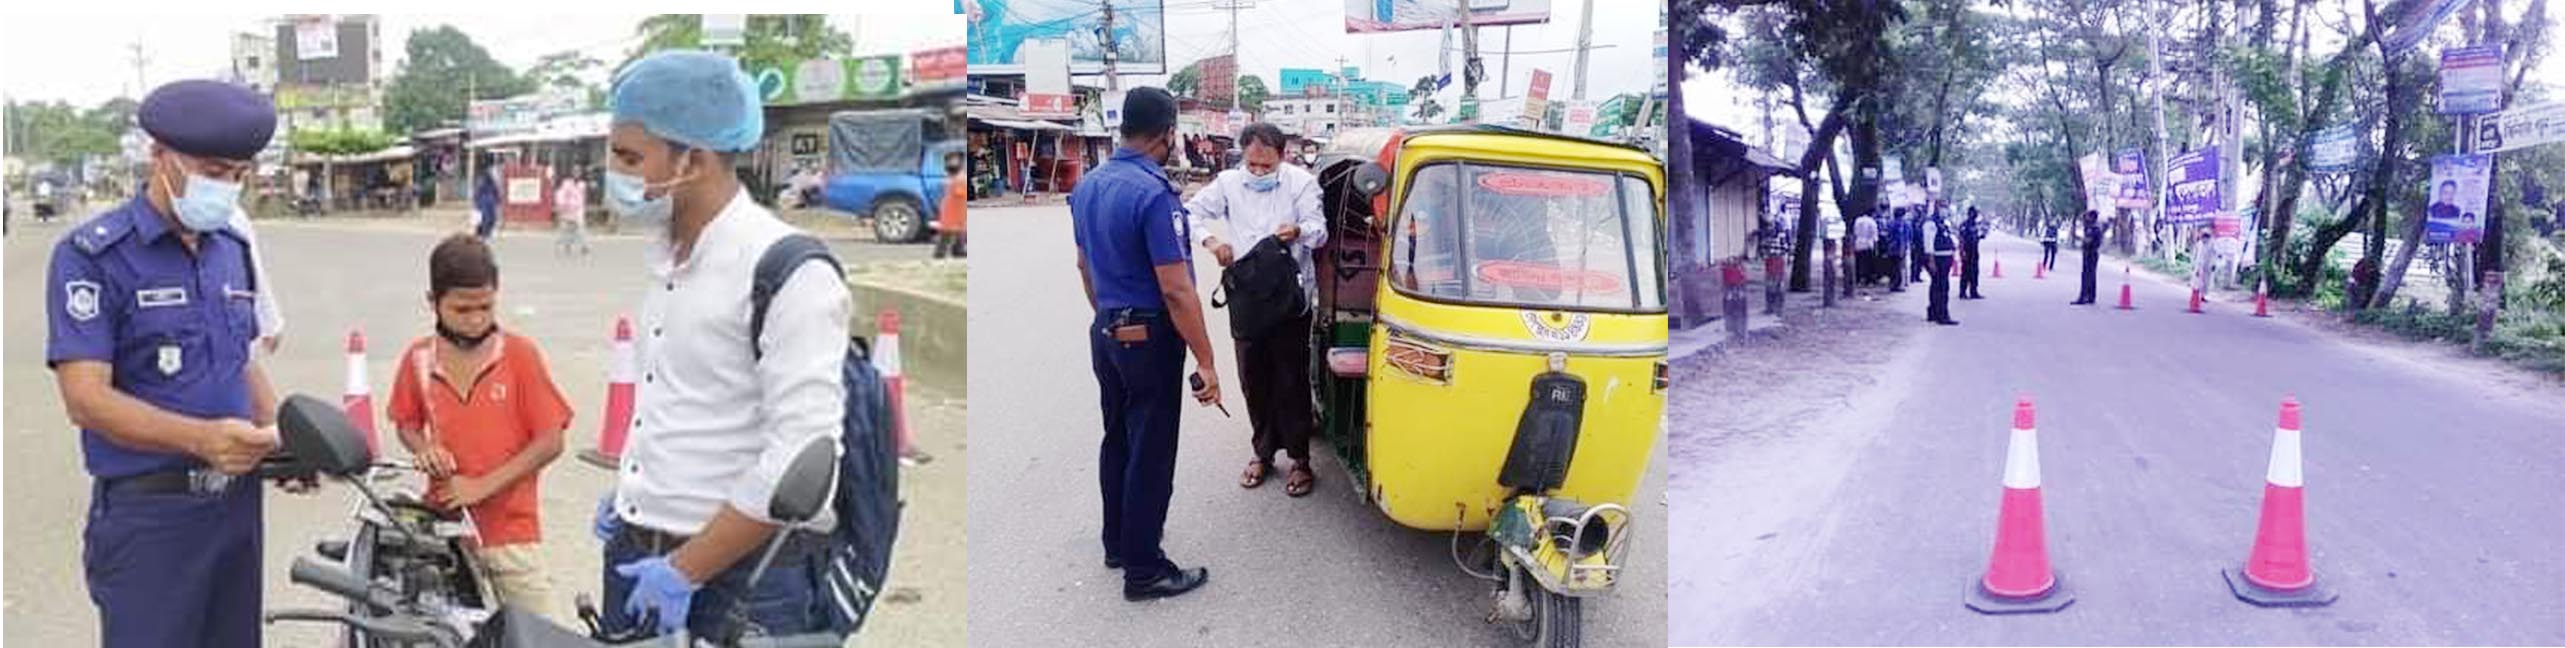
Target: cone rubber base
(599, 459)
(2057, 598)
(2313, 595)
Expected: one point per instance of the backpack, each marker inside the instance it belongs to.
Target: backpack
(1263, 290)
(867, 498)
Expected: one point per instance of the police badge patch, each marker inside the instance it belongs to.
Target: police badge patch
(80, 300)
(170, 360)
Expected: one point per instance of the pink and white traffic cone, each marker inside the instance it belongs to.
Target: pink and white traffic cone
(2279, 572)
(620, 369)
(886, 359)
(2018, 578)
(359, 399)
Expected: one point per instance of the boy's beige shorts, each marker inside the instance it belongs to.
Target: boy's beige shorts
(516, 573)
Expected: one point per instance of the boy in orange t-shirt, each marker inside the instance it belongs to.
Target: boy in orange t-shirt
(478, 411)
(950, 224)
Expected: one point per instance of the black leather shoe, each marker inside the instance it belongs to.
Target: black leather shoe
(1112, 562)
(1173, 584)
(1948, 322)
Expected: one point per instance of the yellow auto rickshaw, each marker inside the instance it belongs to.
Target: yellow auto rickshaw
(1491, 330)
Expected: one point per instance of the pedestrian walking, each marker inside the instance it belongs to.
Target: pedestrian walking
(570, 214)
(1272, 209)
(726, 399)
(1138, 274)
(1900, 235)
(1936, 234)
(485, 204)
(2048, 247)
(1972, 231)
(151, 310)
(477, 409)
(2092, 244)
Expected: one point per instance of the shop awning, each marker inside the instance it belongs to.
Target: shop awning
(402, 152)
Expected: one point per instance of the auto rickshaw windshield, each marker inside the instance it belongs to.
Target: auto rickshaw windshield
(1530, 237)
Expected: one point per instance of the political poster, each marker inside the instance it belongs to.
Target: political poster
(315, 37)
(2458, 185)
(2471, 80)
(2419, 20)
(2333, 150)
(2130, 166)
(1000, 28)
(2191, 186)
(2101, 187)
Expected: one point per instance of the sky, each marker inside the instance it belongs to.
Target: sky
(1311, 34)
(1715, 97)
(88, 59)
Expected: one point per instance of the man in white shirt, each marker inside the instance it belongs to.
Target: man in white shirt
(1262, 198)
(1865, 240)
(717, 416)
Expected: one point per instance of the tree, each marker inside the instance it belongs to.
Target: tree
(568, 71)
(444, 64)
(1423, 97)
(1186, 81)
(59, 133)
(1251, 93)
(770, 40)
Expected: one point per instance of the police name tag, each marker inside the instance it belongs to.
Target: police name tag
(158, 297)
(171, 360)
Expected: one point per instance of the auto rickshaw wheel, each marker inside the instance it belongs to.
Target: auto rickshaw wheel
(1557, 620)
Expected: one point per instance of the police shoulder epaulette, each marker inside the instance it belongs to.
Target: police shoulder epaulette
(99, 232)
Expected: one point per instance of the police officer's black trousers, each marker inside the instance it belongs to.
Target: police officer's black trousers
(2048, 255)
(176, 569)
(1938, 309)
(1141, 389)
(2092, 261)
(1273, 372)
(1968, 273)
(1897, 272)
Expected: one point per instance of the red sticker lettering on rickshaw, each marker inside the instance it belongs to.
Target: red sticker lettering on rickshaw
(1534, 275)
(1534, 184)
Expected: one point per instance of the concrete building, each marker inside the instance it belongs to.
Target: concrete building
(254, 62)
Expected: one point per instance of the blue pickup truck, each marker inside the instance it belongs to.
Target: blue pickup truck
(888, 166)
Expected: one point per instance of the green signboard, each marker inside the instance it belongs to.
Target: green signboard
(820, 80)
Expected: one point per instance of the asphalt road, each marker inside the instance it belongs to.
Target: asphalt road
(2432, 490)
(1324, 570)
(337, 274)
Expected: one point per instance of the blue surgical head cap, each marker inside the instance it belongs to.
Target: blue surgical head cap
(691, 97)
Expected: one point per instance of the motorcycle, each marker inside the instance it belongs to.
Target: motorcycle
(409, 579)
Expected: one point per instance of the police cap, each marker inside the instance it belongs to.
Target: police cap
(208, 119)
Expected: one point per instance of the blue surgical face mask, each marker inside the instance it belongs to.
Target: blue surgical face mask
(1262, 182)
(628, 196)
(208, 203)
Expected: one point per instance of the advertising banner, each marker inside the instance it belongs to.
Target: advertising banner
(2521, 127)
(999, 29)
(2130, 166)
(2193, 192)
(2333, 150)
(2471, 80)
(1373, 16)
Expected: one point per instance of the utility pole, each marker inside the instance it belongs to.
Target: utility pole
(1585, 41)
(139, 60)
(1469, 58)
(1112, 51)
(2155, 77)
(1235, 92)
(1344, 87)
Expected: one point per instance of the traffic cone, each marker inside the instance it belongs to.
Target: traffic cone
(2195, 301)
(2124, 290)
(2278, 573)
(2018, 578)
(2262, 298)
(608, 453)
(1999, 266)
(886, 359)
(359, 401)
(2039, 270)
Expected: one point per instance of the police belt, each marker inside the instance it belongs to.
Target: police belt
(800, 541)
(171, 482)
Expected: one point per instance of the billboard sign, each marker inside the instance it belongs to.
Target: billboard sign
(2193, 187)
(315, 37)
(1375, 16)
(2333, 150)
(2521, 127)
(1000, 28)
(938, 67)
(2130, 166)
(2471, 80)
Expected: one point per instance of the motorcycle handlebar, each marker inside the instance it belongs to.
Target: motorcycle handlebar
(391, 628)
(339, 582)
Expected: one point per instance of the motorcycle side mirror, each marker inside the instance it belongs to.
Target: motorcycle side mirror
(317, 438)
(807, 482)
(1370, 179)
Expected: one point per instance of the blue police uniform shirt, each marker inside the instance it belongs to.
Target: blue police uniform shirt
(1129, 220)
(175, 326)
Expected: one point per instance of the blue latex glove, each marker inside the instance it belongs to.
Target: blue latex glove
(658, 587)
(607, 523)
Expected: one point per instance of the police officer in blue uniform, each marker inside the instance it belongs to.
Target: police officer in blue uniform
(1138, 274)
(151, 310)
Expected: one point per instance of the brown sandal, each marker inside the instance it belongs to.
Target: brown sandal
(1255, 475)
(1300, 480)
